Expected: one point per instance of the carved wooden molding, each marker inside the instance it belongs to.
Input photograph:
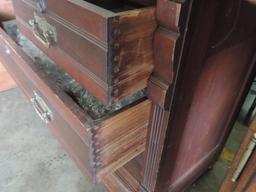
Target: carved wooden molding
(158, 92)
(158, 126)
(159, 85)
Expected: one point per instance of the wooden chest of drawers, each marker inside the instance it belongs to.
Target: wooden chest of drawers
(107, 47)
(199, 79)
(100, 139)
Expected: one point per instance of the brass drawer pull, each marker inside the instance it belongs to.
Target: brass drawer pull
(41, 6)
(43, 31)
(41, 108)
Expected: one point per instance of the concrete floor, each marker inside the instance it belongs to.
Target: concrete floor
(211, 180)
(31, 160)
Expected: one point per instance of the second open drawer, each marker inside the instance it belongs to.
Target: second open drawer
(99, 139)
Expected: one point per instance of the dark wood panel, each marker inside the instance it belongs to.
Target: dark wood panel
(88, 17)
(205, 94)
(168, 48)
(209, 94)
(97, 88)
(135, 54)
(90, 55)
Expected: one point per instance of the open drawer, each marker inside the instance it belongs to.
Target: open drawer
(106, 46)
(99, 139)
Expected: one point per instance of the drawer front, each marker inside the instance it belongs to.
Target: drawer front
(89, 18)
(100, 146)
(117, 65)
(78, 45)
(34, 87)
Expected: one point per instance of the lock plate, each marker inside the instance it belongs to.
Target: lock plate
(43, 31)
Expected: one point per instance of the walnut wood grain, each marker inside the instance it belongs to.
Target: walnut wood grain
(110, 66)
(94, 146)
(159, 86)
(203, 103)
(126, 178)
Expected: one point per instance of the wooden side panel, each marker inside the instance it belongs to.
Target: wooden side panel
(121, 138)
(132, 51)
(214, 102)
(159, 86)
(211, 87)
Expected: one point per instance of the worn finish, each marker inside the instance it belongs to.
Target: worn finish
(168, 45)
(194, 105)
(203, 61)
(109, 53)
(94, 145)
(126, 178)
(205, 103)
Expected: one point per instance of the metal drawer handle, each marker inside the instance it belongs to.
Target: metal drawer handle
(245, 158)
(43, 31)
(41, 108)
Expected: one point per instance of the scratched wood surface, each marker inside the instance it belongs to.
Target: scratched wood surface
(109, 53)
(100, 146)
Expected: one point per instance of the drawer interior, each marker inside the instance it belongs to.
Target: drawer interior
(65, 83)
(117, 5)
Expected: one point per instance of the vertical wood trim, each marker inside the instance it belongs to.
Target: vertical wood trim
(168, 45)
(158, 126)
